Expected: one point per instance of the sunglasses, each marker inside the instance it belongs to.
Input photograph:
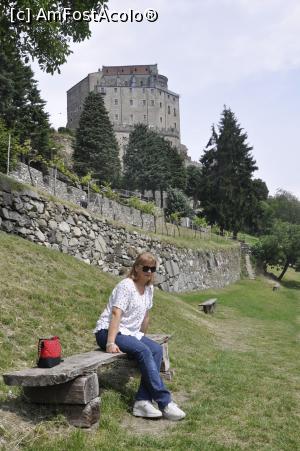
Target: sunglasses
(147, 268)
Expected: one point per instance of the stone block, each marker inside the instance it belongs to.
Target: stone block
(5, 185)
(30, 193)
(70, 220)
(19, 206)
(28, 206)
(22, 231)
(42, 223)
(58, 237)
(7, 199)
(40, 236)
(73, 242)
(4, 213)
(52, 224)
(64, 227)
(100, 244)
(76, 232)
(172, 268)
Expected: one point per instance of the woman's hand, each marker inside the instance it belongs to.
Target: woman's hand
(112, 348)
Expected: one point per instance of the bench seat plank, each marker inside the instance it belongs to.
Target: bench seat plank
(209, 305)
(69, 369)
(208, 302)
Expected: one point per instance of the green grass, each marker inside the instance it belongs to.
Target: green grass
(187, 238)
(248, 239)
(237, 371)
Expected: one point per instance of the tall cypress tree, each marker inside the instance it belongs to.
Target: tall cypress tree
(96, 148)
(227, 168)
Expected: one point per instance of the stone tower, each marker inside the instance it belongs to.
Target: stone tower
(132, 95)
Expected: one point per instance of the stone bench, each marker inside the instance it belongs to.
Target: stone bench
(209, 305)
(73, 385)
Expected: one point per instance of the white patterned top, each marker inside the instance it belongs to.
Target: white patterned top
(133, 304)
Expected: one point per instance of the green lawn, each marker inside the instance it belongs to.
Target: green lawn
(237, 372)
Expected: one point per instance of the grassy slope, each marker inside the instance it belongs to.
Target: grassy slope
(238, 370)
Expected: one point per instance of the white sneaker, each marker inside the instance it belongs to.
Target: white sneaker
(172, 412)
(145, 409)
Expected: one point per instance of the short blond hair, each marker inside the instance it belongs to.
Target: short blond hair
(143, 259)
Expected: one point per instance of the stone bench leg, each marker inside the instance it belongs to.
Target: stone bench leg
(77, 399)
(165, 369)
(83, 416)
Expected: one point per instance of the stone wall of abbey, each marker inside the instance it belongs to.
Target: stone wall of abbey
(132, 95)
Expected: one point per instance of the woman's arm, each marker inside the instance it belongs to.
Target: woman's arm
(113, 330)
(145, 323)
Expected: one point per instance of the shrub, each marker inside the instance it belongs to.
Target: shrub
(144, 207)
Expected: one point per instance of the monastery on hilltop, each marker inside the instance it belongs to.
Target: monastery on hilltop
(132, 95)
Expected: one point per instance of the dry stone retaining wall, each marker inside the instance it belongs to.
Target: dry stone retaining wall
(98, 204)
(112, 248)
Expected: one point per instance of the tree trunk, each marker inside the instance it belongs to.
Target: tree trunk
(287, 264)
(142, 219)
(30, 174)
(154, 218)
(234, 234)
(153, 195)
(161, 199)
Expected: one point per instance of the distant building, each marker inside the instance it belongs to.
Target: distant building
(132, 95)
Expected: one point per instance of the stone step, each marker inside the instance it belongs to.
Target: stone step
(249, 267)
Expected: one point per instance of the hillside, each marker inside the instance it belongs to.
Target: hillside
(237, 372)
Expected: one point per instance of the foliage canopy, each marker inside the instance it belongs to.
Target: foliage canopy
(280, 248)
(46, 41)
(96, 149)
(151, 162)
(227, 167)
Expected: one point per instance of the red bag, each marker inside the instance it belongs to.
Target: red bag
(49, 352)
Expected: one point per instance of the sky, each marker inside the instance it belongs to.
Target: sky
(244, 54)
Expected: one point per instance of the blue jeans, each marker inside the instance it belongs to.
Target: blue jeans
(148, 355)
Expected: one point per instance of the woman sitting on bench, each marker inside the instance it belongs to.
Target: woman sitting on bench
(121, 328)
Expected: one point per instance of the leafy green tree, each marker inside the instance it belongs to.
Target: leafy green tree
(151, 162)
(176, 167)
(141, 142)
(193, 183)
(286, 206)
(163, 166)
(260, 189)
(177, 202)
(227, 167)
(47, 41)
(261, 217)
(281, 248)
(96, 148)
